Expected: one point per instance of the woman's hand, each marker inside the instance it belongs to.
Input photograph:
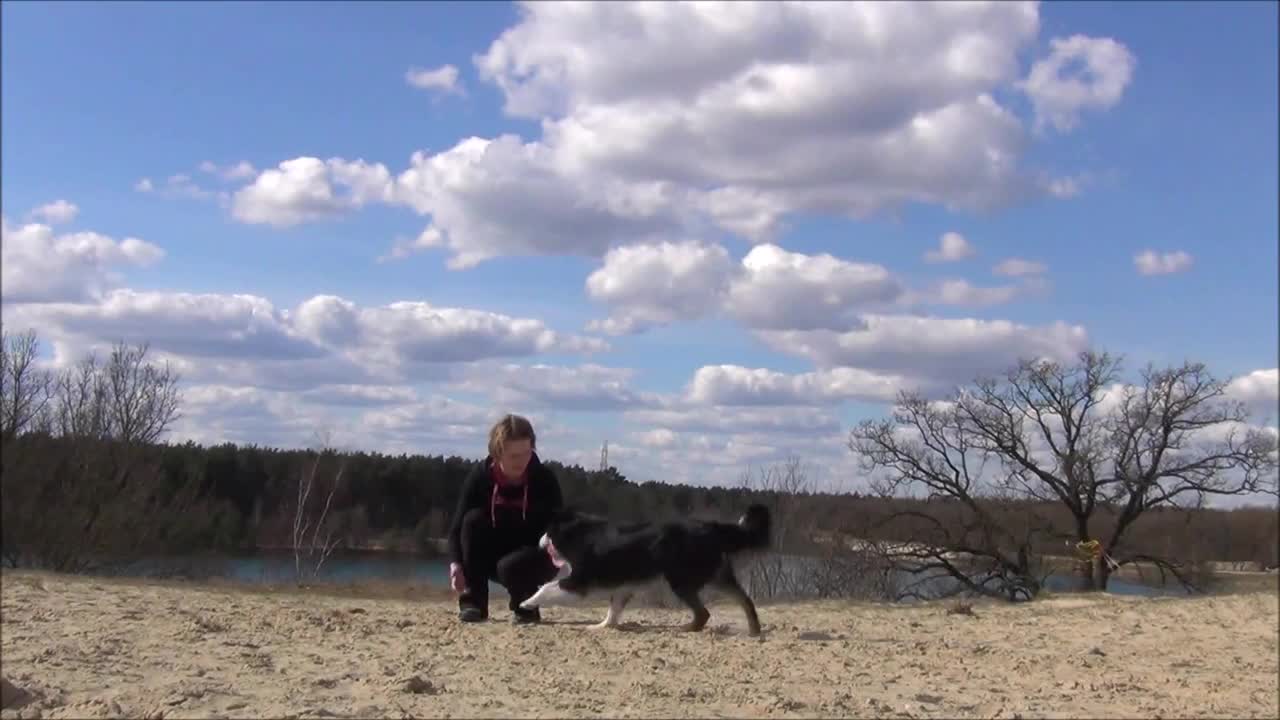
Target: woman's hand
(457, 580)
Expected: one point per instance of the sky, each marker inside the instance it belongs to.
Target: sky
(710, 235)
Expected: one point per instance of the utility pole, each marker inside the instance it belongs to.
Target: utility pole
(604, 456)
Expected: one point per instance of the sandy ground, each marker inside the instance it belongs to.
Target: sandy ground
(79, 647)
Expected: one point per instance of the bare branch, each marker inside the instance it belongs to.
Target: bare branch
(144, 397)
(314, 547)
(24, 388)
(1064, 435)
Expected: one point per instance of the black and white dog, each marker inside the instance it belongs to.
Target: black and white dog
(598, 558)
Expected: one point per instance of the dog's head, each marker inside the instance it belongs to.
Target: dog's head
(569, 533)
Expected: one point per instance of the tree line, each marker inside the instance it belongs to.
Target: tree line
(88, 480)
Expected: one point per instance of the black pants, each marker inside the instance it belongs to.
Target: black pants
(517, 564)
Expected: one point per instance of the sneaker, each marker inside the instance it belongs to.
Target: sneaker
(520, 616)
(472, 614)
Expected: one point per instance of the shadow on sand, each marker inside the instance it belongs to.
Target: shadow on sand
(650, 627)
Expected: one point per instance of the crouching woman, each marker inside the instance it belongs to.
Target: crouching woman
(504, 509)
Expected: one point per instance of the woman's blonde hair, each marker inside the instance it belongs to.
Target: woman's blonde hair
(509, 428)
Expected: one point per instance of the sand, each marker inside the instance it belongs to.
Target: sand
(81, 647)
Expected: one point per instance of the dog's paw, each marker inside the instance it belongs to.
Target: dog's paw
(528, 605)
(603, 625)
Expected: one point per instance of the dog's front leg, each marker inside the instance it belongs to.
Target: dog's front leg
(542, 595)
(617, 603)
(551, 593)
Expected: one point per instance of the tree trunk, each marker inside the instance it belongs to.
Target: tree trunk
(1093, 570)
(1100, 574)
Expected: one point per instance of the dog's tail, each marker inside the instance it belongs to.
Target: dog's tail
(752, 532)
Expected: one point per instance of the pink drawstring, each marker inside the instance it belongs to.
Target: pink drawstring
(493, 504)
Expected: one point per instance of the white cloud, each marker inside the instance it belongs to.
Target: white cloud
(657, 438)
(213, 414)
(58, 212)
(1259, 391)
(1065, 187)
(348, 394)
(585, 387)
(307, 189)
(408, 335)
(1149, 262)
(651, 285)
(774, 110)
(736, 385)
(489, 198)
(185, 324)
(658, 284)
(326, 340)
(443, 79)
(242, 170)
(721, 456)
(933, 352)
(960, 292)
(692, 417)
(778, 290)
(648, 136)
(247, 414)
(440, 424)
(439, 416)
(181, 185)
(486, 198)
(1017, 267)
(1103, 69)
(41, 266)
(184, 186)
(952, 246)
(429, 238)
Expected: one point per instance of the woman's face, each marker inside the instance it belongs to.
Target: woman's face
(515, 457)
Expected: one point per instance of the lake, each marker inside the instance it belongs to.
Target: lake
(354, 566)
(277, 566)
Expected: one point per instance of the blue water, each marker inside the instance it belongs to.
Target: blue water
(1115, 586)
(277, 566)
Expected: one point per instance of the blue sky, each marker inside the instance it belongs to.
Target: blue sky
(1177, 154)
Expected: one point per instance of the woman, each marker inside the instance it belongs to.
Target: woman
(504, 509)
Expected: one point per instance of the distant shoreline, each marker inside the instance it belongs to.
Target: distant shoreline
(430, 547)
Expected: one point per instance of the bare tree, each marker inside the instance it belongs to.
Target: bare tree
(24, 387)
(81, 401)
(954, 534)
(315, 534)
(767, 573)
(94, 489)
(128, 398)
(1164, 452)
(804, 561)
(143, 397)
(1045, 433)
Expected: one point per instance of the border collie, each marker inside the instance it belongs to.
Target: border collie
(599, 558)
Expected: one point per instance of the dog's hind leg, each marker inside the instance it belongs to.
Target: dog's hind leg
(689, 596)
(728, 582)
(617, 603)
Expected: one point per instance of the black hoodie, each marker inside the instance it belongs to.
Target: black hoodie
(523, 524)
